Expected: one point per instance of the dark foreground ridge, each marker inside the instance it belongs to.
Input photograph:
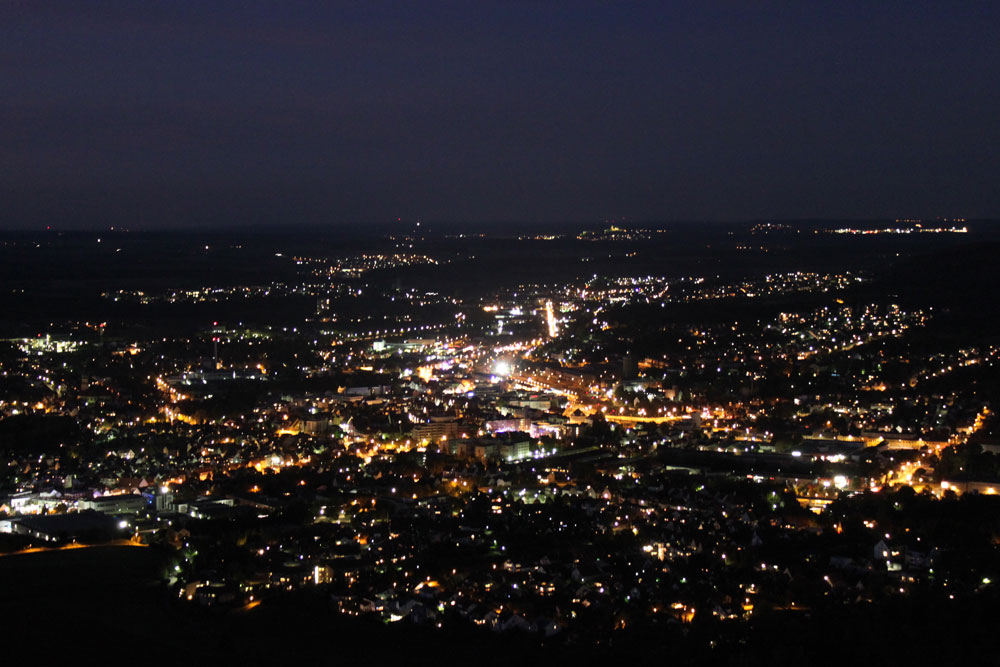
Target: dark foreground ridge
(112, 605)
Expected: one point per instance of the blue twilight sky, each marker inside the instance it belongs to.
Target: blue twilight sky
(199, 114)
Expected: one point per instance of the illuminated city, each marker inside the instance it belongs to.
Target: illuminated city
(565, 457)
(500, 333)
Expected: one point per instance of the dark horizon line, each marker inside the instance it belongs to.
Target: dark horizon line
(626, 223)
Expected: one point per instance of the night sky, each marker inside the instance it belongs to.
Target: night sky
(214, 114)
